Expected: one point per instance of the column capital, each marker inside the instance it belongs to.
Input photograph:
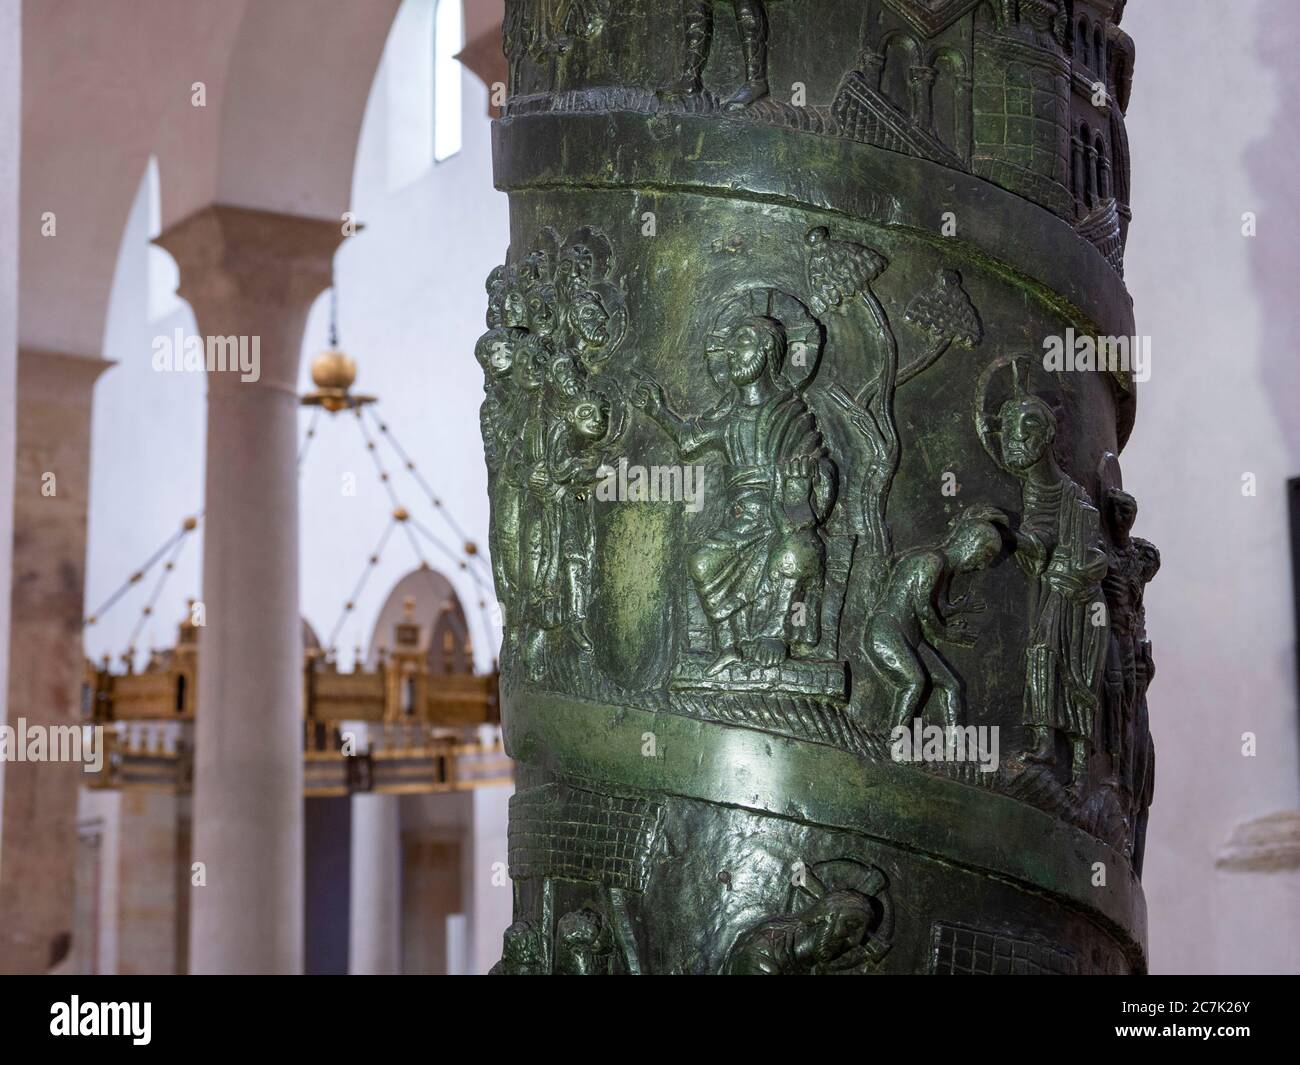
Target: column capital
(254, 273)
(265, 248)
(1268, 844)
(59, 375)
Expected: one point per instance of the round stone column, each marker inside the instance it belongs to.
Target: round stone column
(250, 277)
(824, 646)
(375, 925)
(46, 668)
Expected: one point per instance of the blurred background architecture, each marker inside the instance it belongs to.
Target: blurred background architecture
(304, 770)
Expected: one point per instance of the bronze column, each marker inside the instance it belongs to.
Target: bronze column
(806, 373)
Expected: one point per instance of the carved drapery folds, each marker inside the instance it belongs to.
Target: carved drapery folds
(818, 582)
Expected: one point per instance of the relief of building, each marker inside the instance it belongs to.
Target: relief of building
(1028, 95)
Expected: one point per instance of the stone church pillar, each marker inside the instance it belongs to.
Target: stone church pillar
(51, 494)
(251, 277)
(10, 140)
(824, 647)
(375, 922)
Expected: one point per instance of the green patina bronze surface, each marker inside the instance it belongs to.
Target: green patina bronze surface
(824, 645)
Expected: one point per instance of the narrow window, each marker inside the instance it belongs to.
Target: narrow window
(448, 39)
(163, 274)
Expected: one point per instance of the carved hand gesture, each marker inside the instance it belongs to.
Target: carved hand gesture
(539, 476)
(648, 396)
(798, 472)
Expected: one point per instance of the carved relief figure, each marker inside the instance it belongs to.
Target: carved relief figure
(518, 32)
(521, 952)
(898, 643)
(1122, 587)
(583, 945)
(839, 919)
(590, 306)
(546, 28)
(538, 521)
(554, 320)
(916, 611)
(1131, 563)
(578, 458)
(1059, 546)
(767, 553)
(577, 20)
(547, 31)
(801, 944)
(497, 419)
(751, 22)
(1144, 752)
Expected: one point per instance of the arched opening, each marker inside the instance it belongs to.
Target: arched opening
(951, 102)
(1089, 167)
(1103, 169)
(1081, 181)
(896, 82)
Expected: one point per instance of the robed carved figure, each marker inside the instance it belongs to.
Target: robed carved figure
(767, 554)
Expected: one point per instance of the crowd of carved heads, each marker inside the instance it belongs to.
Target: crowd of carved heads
(555, 320)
